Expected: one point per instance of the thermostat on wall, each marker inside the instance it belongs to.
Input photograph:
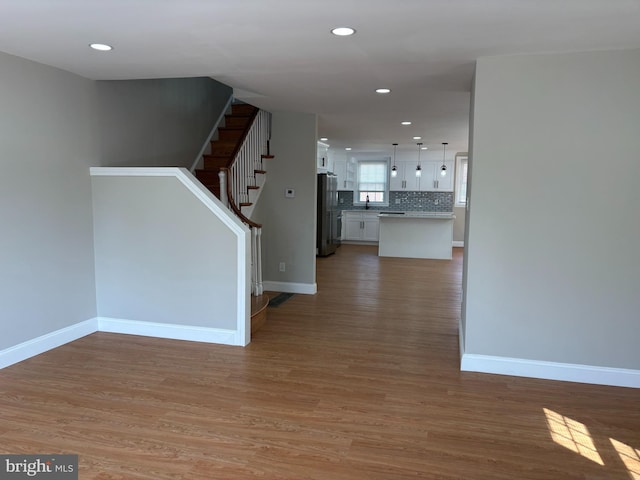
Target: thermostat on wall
(289, 193)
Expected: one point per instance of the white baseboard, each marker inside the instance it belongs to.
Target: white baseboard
(618, 377)
(38, 345)
(171, 331)
(458, 243)
(46, 342)
(290, 287)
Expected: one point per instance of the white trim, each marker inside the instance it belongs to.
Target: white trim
(290, 287)
(57, 338)
(213, 131)
(459, 158)
(457, 243)
(519, 367)
(214, 205)
(171, 331)
(49, 341)
(461, 339)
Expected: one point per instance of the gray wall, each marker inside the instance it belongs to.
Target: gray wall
(157, 122)
(46, 245)
(458, 223)
(289, 223)
(553, 260)
(158, 254)
(51, 132)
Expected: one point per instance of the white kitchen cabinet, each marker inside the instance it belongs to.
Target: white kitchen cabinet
(406, 179)
(432, 181)
(345, 171)
(370, 227)
(322, 158)
(361, 226)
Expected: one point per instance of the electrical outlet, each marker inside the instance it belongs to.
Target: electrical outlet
(282, 267)
(436, 202)
(397, 201)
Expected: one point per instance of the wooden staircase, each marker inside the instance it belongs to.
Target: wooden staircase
(223, 151)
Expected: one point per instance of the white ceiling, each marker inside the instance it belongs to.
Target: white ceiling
(279, 54)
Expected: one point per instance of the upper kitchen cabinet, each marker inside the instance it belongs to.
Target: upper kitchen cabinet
(345, 169)
(322, 158)
(406, 180)
(431, 179)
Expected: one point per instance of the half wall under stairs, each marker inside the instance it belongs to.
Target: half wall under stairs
(233, 171)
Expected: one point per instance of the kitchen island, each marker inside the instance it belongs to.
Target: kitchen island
(416, 234)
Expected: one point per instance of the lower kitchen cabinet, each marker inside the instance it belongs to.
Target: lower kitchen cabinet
(361, 226)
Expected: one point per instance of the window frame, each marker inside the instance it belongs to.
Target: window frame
(356, 189)
(461, 171)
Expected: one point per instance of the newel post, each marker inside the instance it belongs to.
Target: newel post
(258, 261)
(222, 175)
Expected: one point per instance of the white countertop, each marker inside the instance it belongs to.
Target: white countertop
(430, 215)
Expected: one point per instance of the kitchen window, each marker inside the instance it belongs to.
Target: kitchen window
(373, 182)
(461, 179)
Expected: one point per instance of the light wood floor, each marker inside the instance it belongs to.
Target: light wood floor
(360, 381)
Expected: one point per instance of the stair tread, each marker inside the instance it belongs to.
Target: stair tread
(245, 204)
(259, 305)
(238, 108)
(260, 171)
(267, 156)
(253, 187)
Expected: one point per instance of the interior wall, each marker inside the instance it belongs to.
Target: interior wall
(46, 245)
(553, 260)
(54, 126)
(161, 122)
(465, 259)
(458, 223)
(161, 255)
(289, 234)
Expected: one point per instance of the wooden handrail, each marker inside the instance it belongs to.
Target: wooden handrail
(232, 203)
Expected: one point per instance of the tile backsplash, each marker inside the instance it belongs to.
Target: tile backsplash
(404, 202)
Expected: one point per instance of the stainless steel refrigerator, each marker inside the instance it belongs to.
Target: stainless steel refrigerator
(328, 215)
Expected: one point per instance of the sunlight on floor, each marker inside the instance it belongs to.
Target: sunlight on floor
(629, 456)
(572, 435)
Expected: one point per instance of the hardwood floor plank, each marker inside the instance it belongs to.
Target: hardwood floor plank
(359, 381)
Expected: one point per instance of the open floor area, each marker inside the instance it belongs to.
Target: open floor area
(360, 381)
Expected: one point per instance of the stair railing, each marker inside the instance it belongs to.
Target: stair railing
(236, 183)
(247, 162)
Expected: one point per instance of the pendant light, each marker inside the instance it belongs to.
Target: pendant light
(419, 168)
(394, 169)
(443, 168)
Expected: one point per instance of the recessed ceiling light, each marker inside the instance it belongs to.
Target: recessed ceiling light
(383, 90)
(348, 148)
(101, 47)
(417, 138)
(343, 31)
(405, 123)
(424, 148)
(324, 139)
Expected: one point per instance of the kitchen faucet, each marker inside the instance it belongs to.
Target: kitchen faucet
(366, 203)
